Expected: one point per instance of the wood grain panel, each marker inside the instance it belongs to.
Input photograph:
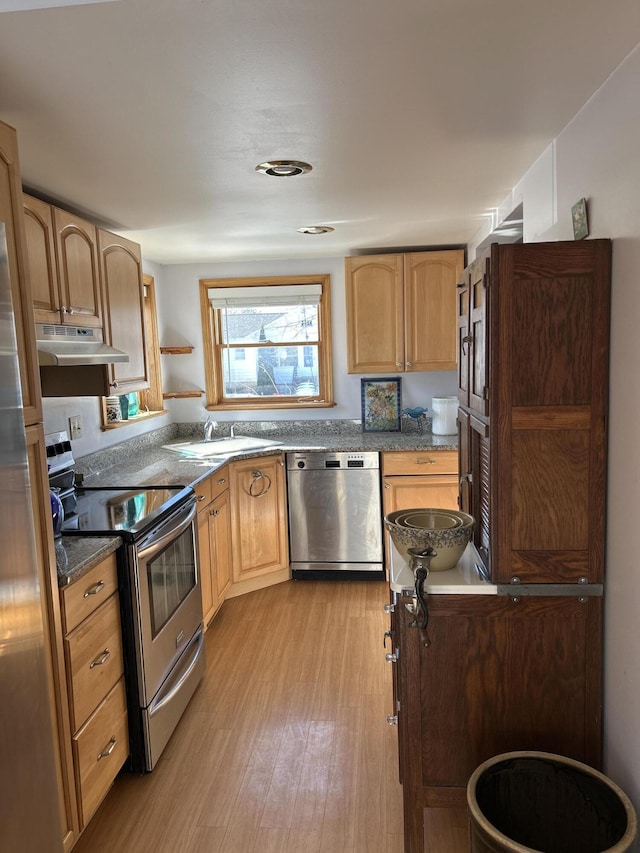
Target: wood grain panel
(550, 490)
(552, 342)
(420, 462)
(80, 599)
(549, 417)
(98, 635)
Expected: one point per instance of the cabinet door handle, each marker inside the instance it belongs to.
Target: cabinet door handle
(391, 657)
(399, 365)
(102, 659)
(409, 364)
(108, 748)
(94, 590)
(468, 339)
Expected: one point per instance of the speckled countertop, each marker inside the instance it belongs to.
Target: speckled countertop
(145, 462)
(76, 555)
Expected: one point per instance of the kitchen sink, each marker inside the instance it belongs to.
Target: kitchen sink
(221, 446)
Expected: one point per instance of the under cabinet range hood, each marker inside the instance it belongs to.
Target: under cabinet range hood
(73, 346)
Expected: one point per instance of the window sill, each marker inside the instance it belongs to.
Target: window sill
(250, 406)
(142, 416)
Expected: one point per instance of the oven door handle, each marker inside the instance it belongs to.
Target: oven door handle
(175, 681)
(171, 529)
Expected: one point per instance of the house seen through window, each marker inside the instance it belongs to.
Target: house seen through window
(267, 342)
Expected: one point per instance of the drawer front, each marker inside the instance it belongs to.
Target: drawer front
(94, 659)
(423, 462)
(84, 596)
(203, 493)
(219, 482)
(101, 747)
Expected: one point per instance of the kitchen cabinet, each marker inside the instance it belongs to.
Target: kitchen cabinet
(259, 523)
(401, 311)
(95, 679)
(214, 540)
(11, 216)
(54, 652)
(62, 253)
(124, 310)
(423, 478)
(537, 321)
(487, 676)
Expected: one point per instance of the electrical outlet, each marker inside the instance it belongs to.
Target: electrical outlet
(75, 426)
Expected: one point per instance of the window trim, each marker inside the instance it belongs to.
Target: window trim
(210, 336)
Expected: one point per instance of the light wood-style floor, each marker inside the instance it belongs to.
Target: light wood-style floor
(285, 745)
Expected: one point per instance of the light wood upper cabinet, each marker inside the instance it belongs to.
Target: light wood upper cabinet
(62, 254)
(78, 269)
(11, 216)
(41, 258)
(401, 311)
(124, 311)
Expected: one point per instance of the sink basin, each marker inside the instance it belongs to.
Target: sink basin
(221, 446)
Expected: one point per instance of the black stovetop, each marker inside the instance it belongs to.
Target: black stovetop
(130, 512)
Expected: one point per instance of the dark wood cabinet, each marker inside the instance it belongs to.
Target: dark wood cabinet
(533, 335)
(491, 674)
(520, 669)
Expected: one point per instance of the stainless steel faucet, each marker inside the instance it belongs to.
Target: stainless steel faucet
(209, 427)
(233, 431)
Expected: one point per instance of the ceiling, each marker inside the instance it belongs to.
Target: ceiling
(418, 116)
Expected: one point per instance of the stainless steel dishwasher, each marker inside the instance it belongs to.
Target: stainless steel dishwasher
(335, 516)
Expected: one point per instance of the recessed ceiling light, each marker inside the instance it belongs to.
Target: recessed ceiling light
(316, 229)
(283, 168)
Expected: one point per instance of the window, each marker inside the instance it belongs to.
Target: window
(267, 342)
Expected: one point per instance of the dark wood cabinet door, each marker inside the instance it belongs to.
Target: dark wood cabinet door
(491, 674)
(478, 332)
(549, 334)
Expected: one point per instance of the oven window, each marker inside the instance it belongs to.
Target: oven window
(171, 576)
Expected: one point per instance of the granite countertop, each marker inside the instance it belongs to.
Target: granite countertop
(145, 462)
(152, 465)
(76, 555)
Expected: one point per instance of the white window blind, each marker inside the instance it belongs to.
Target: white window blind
(260, 296)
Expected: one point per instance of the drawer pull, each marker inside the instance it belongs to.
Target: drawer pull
(106, 654)
(108, 749)
(95, 589)
(221, 481)
(200, 498)
(425, 461)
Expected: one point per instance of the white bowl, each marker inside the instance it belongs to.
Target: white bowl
(447, 531)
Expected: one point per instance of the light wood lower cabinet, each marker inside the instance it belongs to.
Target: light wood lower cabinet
(95, 680)
(259, 523)
(214, 540)
(58, 702)
(419, 479)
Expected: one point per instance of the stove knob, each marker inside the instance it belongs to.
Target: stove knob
(301, 464)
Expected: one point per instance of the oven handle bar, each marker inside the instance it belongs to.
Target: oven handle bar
(171, 529)
(175, 681)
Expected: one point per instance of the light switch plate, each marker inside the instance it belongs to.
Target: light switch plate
(75, 426)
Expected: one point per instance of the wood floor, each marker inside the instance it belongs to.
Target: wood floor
(285, 745)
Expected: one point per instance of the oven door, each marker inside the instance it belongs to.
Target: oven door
(166, 580)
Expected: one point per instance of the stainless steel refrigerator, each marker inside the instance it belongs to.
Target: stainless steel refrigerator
(29, 811)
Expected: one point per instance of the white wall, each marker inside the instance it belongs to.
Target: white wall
(179, 313)
(598, 156)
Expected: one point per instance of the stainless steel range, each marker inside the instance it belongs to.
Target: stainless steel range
(160, 600)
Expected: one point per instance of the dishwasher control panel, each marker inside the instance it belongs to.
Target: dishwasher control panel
(315, 460)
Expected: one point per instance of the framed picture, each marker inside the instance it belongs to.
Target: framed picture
(579, 219)
(381, 404)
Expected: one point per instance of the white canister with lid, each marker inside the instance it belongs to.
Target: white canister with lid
(445, 411)
(114, 413)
